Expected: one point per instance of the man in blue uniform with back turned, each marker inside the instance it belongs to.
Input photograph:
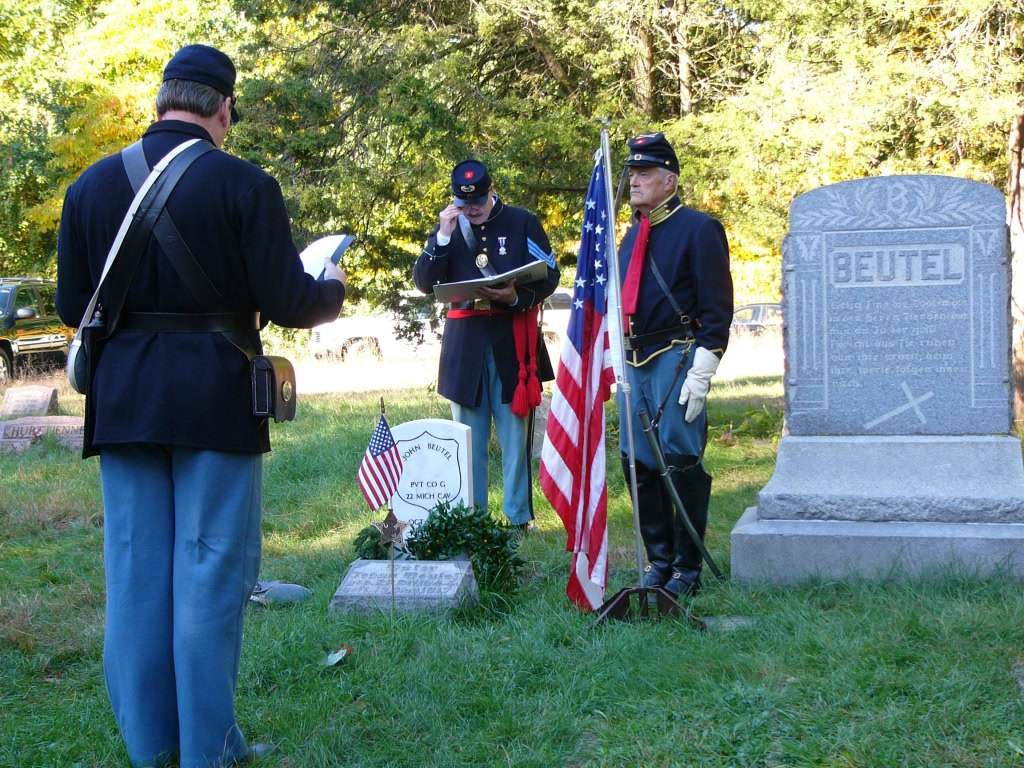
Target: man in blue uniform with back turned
(492, 355)
(170, 412)
(677, 305)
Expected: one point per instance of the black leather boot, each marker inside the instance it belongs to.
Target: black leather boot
(655, 530)
(693, 485)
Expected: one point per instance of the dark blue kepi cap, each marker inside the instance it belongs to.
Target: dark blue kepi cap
(652, 149)
(207, 65)
(470, 183)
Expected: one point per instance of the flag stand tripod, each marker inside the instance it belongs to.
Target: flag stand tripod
(645, 604)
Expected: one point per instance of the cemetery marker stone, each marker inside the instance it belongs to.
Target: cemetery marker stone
(540, 425)
(899, 399)
(19, 434)
(28, 401)
(432, 586)
(436, 466)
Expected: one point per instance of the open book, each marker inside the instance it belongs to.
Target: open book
(466, 289)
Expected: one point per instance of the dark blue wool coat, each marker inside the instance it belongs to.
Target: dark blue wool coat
(520, 234)
(692, 255)
(186, 389)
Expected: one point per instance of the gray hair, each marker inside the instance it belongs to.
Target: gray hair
(666, 172)
(188, 96)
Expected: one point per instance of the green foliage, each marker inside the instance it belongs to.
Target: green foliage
(360, 109)
(450, 531)
(764, 423)
(367, 545)
(289, 342)
(77, 82)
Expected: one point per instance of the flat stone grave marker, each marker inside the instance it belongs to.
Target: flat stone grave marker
(728, 623)
(431, 586)
(19, 434)
(28, 401)
(436, 466)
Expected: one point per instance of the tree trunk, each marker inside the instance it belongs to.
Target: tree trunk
(643, 65)
(684, 60)
(550, 58)
(1014, 214)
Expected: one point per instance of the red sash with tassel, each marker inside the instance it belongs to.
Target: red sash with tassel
(524, 327)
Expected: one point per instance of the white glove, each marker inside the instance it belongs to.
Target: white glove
(694, 392)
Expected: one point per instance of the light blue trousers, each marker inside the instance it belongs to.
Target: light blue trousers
(650, 385)
(182, 554)
(511, 432)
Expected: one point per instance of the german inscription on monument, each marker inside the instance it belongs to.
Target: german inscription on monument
(895, 299)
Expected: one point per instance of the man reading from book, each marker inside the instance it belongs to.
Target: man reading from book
(492, 355)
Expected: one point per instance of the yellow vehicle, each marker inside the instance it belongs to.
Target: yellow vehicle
(31, 333)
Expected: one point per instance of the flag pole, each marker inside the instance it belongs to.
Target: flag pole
(616, 345)
(392, 548)
(391, 545)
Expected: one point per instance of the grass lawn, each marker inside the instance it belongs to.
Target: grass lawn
(892, 674)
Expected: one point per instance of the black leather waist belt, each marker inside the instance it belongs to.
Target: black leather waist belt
(182, 322)
(682, 332)
(477, 304)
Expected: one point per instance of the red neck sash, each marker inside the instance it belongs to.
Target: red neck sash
(631, 285)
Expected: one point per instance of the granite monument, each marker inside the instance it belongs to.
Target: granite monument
(19, 434)
(897, 455)
(28, 401)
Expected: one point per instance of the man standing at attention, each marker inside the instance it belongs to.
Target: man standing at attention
(676, 304)
(171, 414)
(492, 356)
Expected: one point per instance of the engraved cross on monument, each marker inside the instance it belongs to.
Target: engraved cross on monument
(897, 454)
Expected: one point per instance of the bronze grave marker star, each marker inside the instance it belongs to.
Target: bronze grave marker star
(392, 530)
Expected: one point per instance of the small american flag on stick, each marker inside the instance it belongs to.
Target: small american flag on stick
(381, 468)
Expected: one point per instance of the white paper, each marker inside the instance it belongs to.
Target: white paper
(314, 254)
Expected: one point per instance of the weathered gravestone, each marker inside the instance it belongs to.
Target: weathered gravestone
(897, 456)
(436, 466)
(432, 586)
(540, 425)
(28, 401)
(19, 434)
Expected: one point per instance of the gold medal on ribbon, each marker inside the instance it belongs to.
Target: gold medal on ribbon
(481, 261)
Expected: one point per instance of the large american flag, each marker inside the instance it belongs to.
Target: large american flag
(381, 468)
(573, 466)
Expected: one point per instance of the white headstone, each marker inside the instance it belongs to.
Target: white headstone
(540, 425)
(436, 466)
(28, 401)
